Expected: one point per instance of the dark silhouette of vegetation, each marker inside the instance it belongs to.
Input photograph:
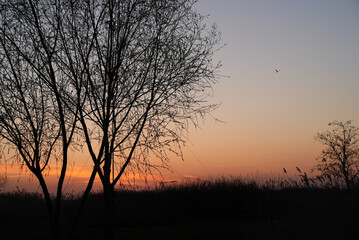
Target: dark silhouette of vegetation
(36, 123)
(140, 73)
(124, 77)
(340, 159)
(216, 209)
(32, 118)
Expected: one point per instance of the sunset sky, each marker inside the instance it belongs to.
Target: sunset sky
(269, 119)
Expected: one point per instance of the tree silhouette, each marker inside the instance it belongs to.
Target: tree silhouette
(35, 118)
(128, 76)
(340, 158)
(147, 70)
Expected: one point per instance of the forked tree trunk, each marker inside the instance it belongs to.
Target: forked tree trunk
(53, 218)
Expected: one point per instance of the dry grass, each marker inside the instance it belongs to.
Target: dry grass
(214, 209)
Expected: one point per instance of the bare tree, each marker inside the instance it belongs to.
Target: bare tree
(147, 70)
(340, 158)
(34, 117)
(133, 73)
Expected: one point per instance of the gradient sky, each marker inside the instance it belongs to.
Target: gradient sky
(270, 119)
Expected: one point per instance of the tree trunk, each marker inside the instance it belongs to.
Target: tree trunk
(109, 211)
(55, 228)
(82, 205)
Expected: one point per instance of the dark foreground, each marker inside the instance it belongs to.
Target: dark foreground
(202, 210)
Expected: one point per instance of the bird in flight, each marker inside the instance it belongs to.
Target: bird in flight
(276, 70)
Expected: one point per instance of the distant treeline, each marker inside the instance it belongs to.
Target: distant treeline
(232, 208)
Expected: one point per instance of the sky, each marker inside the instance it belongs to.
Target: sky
(268, 118)
(271, 118)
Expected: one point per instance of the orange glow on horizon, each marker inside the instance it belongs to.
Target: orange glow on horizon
(76, 179)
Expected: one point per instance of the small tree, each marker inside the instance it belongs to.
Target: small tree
(340, 158)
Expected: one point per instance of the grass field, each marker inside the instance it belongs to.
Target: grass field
(219, 209)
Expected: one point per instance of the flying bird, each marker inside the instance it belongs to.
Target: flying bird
(276, 70)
